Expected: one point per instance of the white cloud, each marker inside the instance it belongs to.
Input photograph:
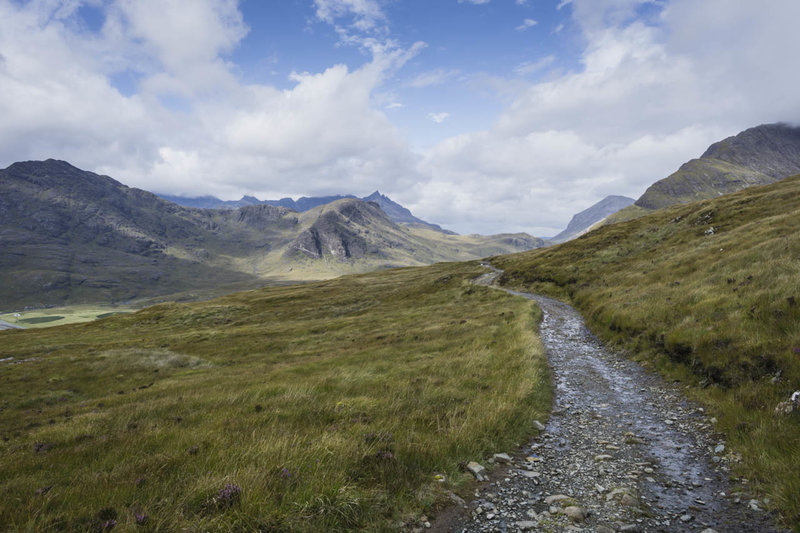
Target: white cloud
(322, 135)
(476, 2)
(366, 14)
(433, 77)
(646, 96)
(646, 99)
(438, 117)
(530, 67)
(527, 23)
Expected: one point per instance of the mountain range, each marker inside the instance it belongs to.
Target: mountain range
(396, 212)
(71, 236)
(757, 156)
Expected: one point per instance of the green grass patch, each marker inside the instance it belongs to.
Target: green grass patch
(708, 293)
(112, 313)
(40, 319)
(59, 316)
(323, 407)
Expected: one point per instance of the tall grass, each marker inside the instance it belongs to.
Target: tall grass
(331, 406)
(717, 308)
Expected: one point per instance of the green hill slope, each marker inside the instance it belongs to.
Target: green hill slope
(331, 406)
(709, 293)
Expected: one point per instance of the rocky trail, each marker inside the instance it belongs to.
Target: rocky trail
(622, 451)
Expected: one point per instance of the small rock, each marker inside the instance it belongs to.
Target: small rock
(490, 516)
(477, 470)
(455, 498)
(557, 498)
(720, 448)
(754, 505)
(526, 525)
(575, 513)
(538, 425)
(784, 408)
(502, 458)
(628, 499)
(602, 457)
(630, 528)
(604, 529)
(686, 518)
(709, 530)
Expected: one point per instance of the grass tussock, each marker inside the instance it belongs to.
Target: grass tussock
(709, 293)
(323, 407)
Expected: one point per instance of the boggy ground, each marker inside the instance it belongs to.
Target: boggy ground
(622, 451)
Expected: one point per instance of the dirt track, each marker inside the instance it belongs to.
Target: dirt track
(622, 451)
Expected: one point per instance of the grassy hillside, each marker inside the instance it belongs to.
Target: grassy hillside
(323, 407)
(709, 293)
(699, 179)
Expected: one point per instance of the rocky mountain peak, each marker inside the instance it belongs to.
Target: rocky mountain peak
(756, 156)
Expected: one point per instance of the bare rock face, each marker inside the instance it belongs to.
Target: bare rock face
(336, 234)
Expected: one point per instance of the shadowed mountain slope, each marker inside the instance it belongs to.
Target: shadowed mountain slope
(756, 156)
(587, 218)
(70, 236)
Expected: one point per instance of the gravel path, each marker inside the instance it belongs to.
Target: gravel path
(6, 325)
(622, 451)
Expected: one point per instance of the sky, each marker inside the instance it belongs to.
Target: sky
(483, 116)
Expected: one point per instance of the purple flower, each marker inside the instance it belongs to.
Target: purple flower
(228, 495)
(110, 524)
(140, 518)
